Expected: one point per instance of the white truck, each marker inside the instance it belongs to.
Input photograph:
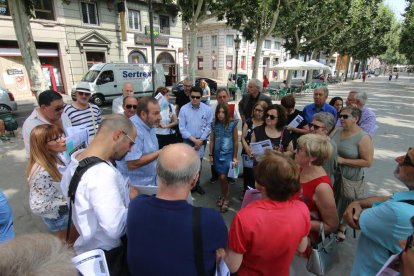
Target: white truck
(105, 80)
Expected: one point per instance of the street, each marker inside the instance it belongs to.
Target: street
(392, 101)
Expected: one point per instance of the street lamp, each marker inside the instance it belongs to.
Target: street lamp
(237, 41)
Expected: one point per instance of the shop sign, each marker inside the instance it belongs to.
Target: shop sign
(143, 39)
(14, 72)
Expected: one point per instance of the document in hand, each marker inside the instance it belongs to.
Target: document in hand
(250, 196)
(390, 268)
(295, 122)
(259, 148)
(91, 263)
(76, 138)
(222, 269)
(233, 171)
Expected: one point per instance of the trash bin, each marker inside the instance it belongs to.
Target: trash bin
(233, 91)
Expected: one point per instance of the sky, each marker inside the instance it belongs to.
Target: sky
(397, 6)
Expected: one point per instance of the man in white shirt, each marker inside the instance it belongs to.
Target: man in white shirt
(127, 90)
(49, 111)
(100, 207)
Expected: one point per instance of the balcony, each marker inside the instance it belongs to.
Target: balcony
(165, 30)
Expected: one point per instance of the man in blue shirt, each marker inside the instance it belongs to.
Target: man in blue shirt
(6, 220)
(160, 228)
(195, 125)
(319, 98)
(140, 163)
(384, 222)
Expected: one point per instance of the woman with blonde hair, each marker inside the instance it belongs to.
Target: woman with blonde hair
(206, 92)
(44, 175)
(316, 190)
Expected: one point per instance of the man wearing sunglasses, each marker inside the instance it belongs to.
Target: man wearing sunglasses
(49, 111)
(127, 91)
(195, 126)
(84, 114)
(130, 105)
(383, 220)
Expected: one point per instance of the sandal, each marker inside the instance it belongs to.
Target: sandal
(225, 207)
(219, 201)
(341, 234)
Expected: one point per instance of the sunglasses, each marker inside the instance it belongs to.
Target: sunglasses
(343, 116)
(84, 94)
(272, 117)
(56, 139)
(59, 108)
(196, 97)
(129, 106)
(316, 127)
(130, 139)
(407, 160)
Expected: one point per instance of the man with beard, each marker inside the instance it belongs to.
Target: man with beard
(383, 221)
(139, 165)
(100, 207)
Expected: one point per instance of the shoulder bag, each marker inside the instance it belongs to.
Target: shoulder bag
(323, 253)
(349, 189)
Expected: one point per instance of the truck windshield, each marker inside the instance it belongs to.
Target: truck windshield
(90, 76)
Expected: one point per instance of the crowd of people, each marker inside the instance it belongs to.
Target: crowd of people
(310, 178)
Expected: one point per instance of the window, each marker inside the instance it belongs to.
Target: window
(44, 9)
(214, 62)
(134, 20)
(136, 57)
(164, 24)
(4, 7)
(267, 44)
(277, 45)
(229, 40)
(89, 13)
(199, 63)
(94, 57)
(214, 41)
(229, 62)
(105, 77)
(200, 42)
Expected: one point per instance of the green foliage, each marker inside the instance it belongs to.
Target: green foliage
(392, 39)
(407, 33)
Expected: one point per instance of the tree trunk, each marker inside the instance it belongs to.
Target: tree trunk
(338, 69)
(193, 50)
(348, 57)
(257, 56)
(27, 45)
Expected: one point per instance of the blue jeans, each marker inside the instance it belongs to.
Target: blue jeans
(61, 222)
(6, 220)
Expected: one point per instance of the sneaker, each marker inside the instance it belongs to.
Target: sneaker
(213, 180)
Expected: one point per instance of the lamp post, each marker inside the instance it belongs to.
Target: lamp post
(237, 41)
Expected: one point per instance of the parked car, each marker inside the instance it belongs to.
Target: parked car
(7, 102)
(179, 87)
(321, 76)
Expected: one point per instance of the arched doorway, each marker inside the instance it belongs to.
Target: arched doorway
(136, 57)
(170, 69)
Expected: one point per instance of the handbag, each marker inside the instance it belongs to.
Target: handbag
(349, 189)
(323, 253)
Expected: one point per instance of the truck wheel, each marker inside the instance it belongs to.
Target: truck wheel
(98, 100)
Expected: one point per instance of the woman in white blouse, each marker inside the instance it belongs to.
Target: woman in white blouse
(45, 197)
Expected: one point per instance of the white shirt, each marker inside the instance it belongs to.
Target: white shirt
(100, 208)
(35, 119)
(117, 105)
(166, 118)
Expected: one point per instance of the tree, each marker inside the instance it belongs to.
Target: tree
(407, 38)
(256, 19)
(21, 12)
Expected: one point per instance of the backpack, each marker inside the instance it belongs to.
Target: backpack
(10, 123)
(83, 166)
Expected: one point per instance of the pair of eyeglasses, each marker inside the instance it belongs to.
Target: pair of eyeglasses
(130, 139)
(56, 139)
(129, 106)
(407, 160)
(343, 116)
(196, 97)
(59, 108)
(271, 117)
(316, 127)
(258, 110)
(84, 94)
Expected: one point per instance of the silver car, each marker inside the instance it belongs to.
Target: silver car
(7, 102)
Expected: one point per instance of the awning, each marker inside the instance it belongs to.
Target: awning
(15, 52)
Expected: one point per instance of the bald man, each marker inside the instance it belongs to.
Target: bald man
(161, 226)
(127, 91)
(100, 208)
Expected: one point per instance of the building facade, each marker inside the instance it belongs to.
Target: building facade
(216, 54)
(72, 35)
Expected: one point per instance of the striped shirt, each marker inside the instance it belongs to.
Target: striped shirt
(83, 117)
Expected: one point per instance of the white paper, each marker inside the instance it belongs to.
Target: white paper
(222, 269)
(233, 171)
(386, 269)
(91, 263)
(295, 122)
(247, 161)
(259, 148)
(152, 190)
(76, 138)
